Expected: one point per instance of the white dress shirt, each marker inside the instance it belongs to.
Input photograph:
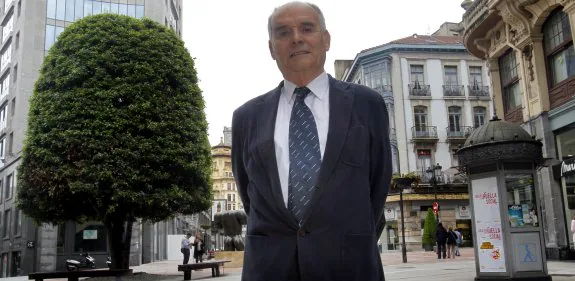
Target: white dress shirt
(318, 102)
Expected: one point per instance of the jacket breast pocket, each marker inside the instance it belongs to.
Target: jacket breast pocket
(355, 147)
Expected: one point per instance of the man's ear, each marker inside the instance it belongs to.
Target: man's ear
(326, 40)
(270, 46)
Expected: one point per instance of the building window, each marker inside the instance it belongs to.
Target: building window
(423, 161)
(420, 121)
(229, 185)
(416, 74)
(6, 57)
(17, 41)
(512, 98)
(475, 76)
(7, 223)
(15, 75)
(71, 10)
(479, 113)
(13, 108)
(7, 28)
(90, 237)
(9, 186)
(558, 46)
(5, 86)
(2, 151)
(454, 119)
(10, 143)
(450, 75)
(377, 74)
(3, 116)
(229, 197)
(17, 223)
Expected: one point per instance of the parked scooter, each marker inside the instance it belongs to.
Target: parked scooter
(88, 262)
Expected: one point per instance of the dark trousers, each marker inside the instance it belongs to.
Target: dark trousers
(186, 253)
(441, 250)
(199, 257)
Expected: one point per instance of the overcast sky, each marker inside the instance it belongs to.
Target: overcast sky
(229, 41)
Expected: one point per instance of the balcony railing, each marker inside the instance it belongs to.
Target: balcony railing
(419, 90)
(478, 91)
(458, 132)
(424, 132)
(453, 91)
(427, 178)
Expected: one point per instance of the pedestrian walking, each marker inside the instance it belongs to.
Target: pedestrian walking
(458, 242)
(441, 239)
(185, 249)
(451, 242)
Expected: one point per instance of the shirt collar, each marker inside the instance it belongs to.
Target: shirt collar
(317, 87)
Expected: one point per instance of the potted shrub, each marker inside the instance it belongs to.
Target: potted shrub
(411, 179)
(429, 229)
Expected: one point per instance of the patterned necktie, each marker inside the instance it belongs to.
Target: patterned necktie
(304, 155)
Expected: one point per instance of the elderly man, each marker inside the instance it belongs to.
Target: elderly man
(312, 163)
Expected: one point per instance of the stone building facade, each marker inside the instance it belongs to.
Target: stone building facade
(436, 93)
(528, 47)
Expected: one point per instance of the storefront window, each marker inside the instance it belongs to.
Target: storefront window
(564, 173)
(521, 204)
(90, 237)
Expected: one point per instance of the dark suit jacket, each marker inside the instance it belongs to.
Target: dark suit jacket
(338, 237)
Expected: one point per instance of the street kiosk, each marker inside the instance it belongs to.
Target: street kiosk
(500, 159)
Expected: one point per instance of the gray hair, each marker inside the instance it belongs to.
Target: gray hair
(313, 6)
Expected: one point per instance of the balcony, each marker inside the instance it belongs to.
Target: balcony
(453, 91)
(458, 133)
(481, 92)
(424, 133)
(562, 93)
(385, 91)
(479, 18)
(418, 91)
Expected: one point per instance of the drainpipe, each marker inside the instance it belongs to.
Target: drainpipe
(527, 86)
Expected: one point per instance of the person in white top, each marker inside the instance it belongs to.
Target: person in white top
(573, 228)
(186, 247)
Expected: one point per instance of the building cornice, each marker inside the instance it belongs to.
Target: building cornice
(387, 50)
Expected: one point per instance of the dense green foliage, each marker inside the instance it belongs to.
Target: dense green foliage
(429, 228)
(116, 127)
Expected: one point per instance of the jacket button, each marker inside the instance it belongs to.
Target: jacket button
(301, 232)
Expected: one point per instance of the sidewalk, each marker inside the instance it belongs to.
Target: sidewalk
(419, 266)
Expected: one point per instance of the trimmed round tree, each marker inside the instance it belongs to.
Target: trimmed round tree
(116, 130)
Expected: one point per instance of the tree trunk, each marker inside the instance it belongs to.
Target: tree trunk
(119, 238)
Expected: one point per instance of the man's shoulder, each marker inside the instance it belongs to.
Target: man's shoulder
(249, 106)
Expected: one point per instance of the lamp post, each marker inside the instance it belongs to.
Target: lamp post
(403, 249)
(434, 173)
(401, 187)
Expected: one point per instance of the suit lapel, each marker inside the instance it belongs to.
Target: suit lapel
(266, 147)
(340, 109)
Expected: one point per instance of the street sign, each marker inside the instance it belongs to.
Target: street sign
(435, 207)
(30, 244)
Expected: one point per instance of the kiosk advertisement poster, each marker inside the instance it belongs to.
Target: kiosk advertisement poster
(488, 231)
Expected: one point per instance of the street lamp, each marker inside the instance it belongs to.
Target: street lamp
(434, 173)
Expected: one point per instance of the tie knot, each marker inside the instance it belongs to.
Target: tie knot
(301, 92)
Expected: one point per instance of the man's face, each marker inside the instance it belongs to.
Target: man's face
(297, 41)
